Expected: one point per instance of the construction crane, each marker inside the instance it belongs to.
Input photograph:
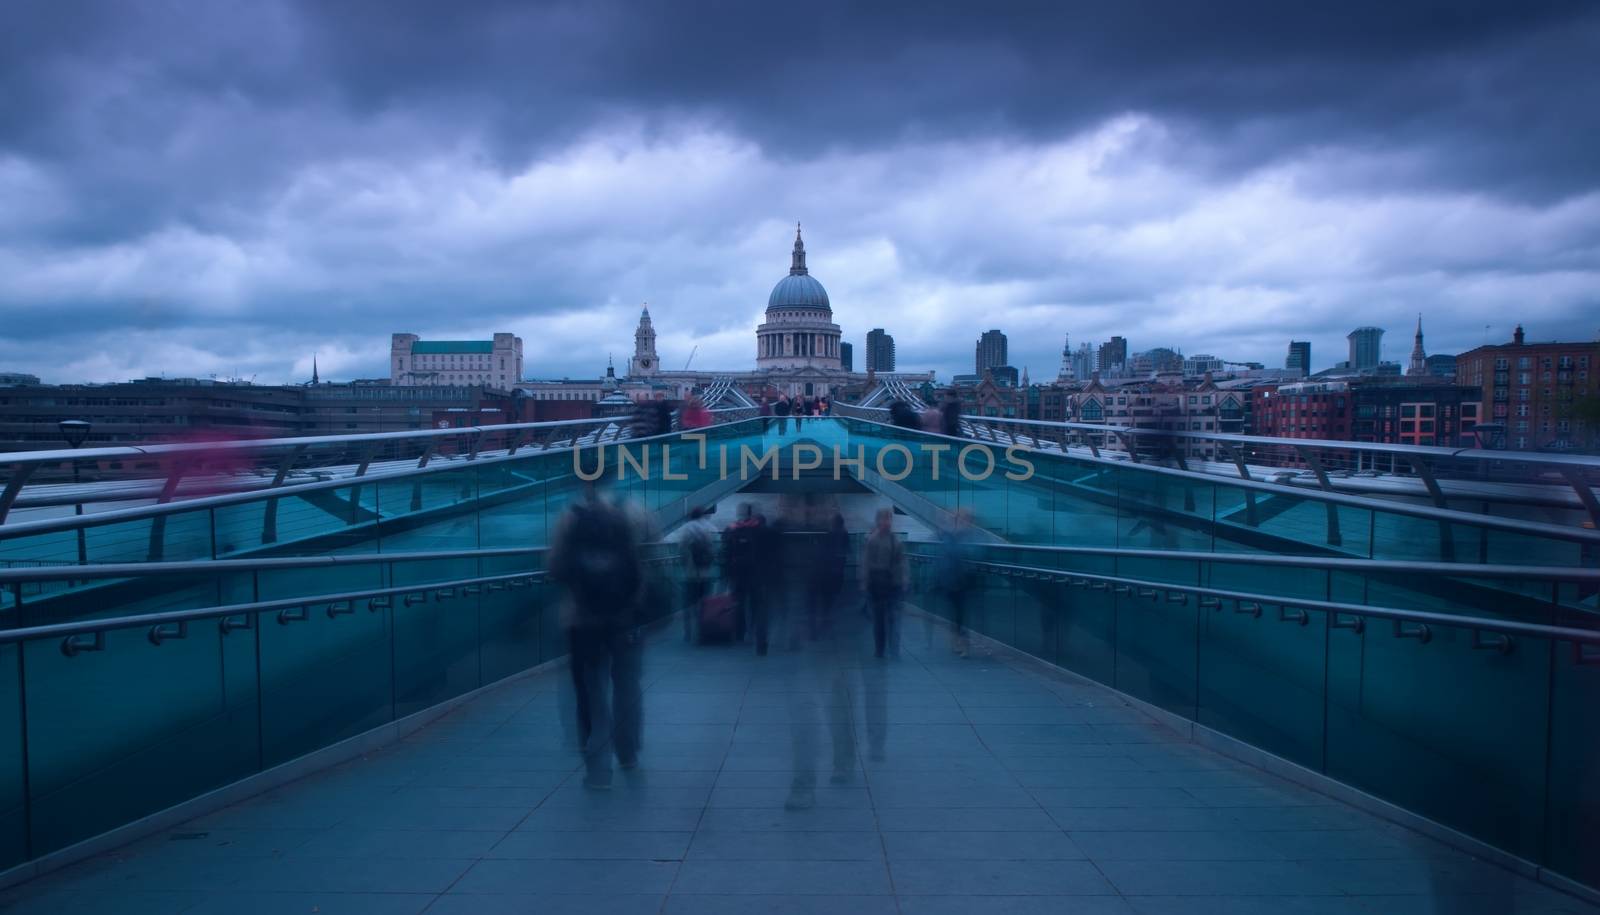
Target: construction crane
(691, 357)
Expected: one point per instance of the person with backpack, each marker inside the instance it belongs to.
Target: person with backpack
(739, 546)
(698, 555)
(596, 556)
(884, 575)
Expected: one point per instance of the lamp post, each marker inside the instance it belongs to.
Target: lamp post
(76, 432)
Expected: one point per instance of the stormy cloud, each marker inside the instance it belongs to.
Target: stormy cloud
(230, 188)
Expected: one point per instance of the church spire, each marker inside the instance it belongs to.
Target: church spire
(797, 266)
(314, 377)
(1419, 359)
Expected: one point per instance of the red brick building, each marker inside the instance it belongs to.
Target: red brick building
(1544, 394)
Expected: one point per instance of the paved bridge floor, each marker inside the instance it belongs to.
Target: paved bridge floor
(978, 785)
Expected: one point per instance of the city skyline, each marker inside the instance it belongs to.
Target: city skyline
(234, 191)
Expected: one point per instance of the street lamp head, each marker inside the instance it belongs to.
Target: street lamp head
(75, 431)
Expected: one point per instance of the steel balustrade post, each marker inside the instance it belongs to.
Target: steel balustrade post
(1315, 463)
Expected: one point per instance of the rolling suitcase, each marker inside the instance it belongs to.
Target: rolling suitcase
(718, 619)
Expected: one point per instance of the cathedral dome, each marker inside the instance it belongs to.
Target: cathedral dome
(799, 289)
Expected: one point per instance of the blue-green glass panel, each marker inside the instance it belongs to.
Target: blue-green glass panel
(125, 597)
(1289, 521)
(435, 641)
(1162, 511)
(1515, 548)
(1033, 616)
(45, 548)
(1176, 571)
(511, 513)
(1255, 578)
(1156, 651)
(1087, 632)
(547, 598)
(324, 677)
(240, 528)
(509, 631)
(1574, 792)
(1262, 678)
(438, 512)
(13, 796)
(1083, 500)
(1454, 733)
(119, 733)
(983, 491)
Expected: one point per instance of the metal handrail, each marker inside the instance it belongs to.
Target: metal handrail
(1505, 627)
(47, 525)
(223, 566)
(1437, 451)
(1332, 563)
(88, 627)
(184, 617)
(269, 444)
(1321, 495)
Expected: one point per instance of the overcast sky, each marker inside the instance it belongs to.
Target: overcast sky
(197, 188)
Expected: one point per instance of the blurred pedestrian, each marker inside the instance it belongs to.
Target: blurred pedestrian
(884, 576)
(739, 548)
(825, 580)
(781, 409)
(651, 417)
(694, 414)
(904, 415)
(956, 573)
(950, 414)
(697, 555)
(596, 556)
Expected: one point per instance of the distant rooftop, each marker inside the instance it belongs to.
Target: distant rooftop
(432, 347)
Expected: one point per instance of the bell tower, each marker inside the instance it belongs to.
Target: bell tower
(644, 361)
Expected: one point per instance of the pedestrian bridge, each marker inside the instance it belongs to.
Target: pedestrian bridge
(329, 680)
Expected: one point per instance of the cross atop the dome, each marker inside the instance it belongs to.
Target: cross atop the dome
(797, 266)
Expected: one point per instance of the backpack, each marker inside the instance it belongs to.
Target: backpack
(602, 566)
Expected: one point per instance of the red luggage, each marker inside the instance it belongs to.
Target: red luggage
(718, 618)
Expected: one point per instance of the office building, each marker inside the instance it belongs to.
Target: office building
(880, 351)
(1299, 360)
(1366, 348)
(1113, 357)
(990, 351)
(847, 357)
